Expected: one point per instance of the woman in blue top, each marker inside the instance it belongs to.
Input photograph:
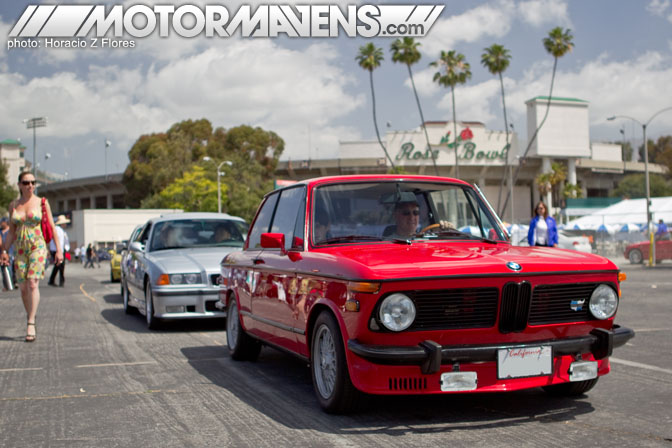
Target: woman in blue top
(543, 231)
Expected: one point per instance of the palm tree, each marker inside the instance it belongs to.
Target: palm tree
(558, 43)
(406, 51)
(496, 59)
(453, 70)
(369, 58)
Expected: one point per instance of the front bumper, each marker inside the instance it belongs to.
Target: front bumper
(183, 303)
(430, 356)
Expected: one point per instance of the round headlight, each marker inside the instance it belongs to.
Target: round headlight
(397, 312)
(603, 302)
(191, 278)
(176, 279)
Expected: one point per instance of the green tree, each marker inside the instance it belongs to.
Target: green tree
(660, 152)
(369, 58)
(453, 69)
(7, 192)
(632, 186)
(551, 181)
(496, 59)
(159, 160)
(406, 52)
(194, 191)
(558, 43)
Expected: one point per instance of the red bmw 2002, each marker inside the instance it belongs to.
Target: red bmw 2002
(398, 284)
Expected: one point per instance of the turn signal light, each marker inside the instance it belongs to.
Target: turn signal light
(622, 277)
(367, 287)
(163, 279)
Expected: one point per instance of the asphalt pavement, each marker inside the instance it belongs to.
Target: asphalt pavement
(97, 377)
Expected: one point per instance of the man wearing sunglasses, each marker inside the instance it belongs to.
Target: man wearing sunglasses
(407, 218)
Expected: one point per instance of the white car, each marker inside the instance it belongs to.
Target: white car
(172, 266)
(579, 243)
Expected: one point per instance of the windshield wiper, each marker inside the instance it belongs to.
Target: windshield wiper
(455, 232)
(354, 238)
(167, 247)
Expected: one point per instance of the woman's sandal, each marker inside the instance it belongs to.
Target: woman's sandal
(31, 337)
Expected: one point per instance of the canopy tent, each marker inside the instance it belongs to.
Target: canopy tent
(627, 212)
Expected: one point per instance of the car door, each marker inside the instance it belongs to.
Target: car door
(274, 300)
(136, 262)
(244, 269)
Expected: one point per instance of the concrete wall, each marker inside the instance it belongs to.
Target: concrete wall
(107, 225)
(565, 132)
(606, 151)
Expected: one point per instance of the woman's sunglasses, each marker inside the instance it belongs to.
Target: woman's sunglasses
(27, 182)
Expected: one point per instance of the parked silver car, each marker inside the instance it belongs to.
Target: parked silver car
(172, 266)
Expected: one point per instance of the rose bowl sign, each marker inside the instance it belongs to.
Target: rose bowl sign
(475, 146)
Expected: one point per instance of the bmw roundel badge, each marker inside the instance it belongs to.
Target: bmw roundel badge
(513, 266)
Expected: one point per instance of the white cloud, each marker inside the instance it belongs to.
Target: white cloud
(486, 20)
(658, 7)
(544, 12)
(254, 82)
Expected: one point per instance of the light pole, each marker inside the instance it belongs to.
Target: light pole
(107, 145)
(652, 245)
(33, 123)
(219, 185)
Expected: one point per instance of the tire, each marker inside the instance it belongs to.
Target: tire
(111, 277)
(128, 309)
(152, 322)
(570, 389)
(242, 347)
(331, 379)
(635, 256)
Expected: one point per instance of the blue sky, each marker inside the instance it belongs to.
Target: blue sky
(313, 93)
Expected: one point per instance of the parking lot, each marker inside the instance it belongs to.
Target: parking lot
(97, 377)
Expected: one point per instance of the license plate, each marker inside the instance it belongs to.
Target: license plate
(524, 362)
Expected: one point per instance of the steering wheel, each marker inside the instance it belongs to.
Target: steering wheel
(430, 227)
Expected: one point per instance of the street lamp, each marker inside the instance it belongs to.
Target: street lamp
(33, 123)
(219, 185)
(107, 145)
(652, 252)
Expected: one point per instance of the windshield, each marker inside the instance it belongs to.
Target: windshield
(400, 211)
(186, 233)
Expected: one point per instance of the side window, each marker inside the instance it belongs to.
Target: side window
(287, 212)
(144, 234)
(263, 221)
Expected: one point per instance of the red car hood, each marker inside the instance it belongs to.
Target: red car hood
(385, 261)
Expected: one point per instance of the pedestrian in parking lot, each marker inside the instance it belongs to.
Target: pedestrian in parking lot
(89, 256)
(25, 233)
(4, 228)
(661, 232)
(543, 230)
(62, 237)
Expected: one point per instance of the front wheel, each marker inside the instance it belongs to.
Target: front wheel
(128, 309)
(331, 379)
(635, 256)
(242, 347)
(152, 322)
(570, 389)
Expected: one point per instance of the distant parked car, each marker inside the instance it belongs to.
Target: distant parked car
(638, 252)
(172, 267)
(580, 243)
(115, 266)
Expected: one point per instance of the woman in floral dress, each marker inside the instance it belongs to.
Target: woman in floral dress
(30, 248)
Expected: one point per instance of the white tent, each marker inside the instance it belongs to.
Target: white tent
(628, 211)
